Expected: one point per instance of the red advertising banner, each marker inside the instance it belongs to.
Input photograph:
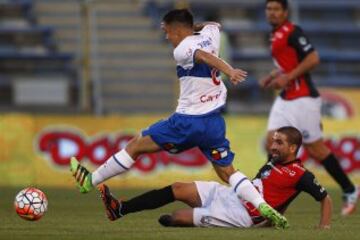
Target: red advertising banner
(35, 150)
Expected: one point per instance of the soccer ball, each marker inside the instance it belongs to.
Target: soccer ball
(31, 204)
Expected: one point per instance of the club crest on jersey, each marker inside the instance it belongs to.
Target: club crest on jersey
(170, 147)
(302, 41)
(219, 153)
(265, 174)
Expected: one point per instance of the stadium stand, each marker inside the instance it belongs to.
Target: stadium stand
(34, 75)
(132, 66)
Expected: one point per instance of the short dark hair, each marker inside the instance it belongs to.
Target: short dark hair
(293, 136)
(284, 3)
(182, 16)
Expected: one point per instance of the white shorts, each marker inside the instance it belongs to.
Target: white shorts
(220, 207)
(303, 113)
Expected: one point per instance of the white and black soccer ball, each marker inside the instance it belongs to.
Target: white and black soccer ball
(31, 204)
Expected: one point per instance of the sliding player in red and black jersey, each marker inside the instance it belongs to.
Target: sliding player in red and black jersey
(212, 204)
(299, 103)
(284, 177)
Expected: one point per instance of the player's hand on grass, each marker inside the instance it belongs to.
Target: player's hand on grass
(237, 75)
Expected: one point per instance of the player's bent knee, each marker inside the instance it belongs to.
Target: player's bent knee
(178, 189)
(224, 172)
(224, 177)
(133, 145)
(139, 145)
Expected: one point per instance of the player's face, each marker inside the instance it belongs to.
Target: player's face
(275, 14)
(280, 147)
(171, 33)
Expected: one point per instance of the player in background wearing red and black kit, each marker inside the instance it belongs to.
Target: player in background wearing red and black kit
(212, 204)
(299, 103)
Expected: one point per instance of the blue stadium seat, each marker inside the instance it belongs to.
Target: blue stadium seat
(28, 50)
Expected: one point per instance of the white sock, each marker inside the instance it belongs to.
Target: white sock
(116, 164)
(245, 190)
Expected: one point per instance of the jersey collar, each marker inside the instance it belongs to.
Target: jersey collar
(297, 160)
(279, 27)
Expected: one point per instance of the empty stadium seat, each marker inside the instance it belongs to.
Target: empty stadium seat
(28, 52)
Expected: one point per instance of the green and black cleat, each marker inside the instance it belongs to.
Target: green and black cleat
(82, 176)
(274, 216)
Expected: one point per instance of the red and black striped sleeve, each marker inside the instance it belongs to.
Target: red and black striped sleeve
(309, 184)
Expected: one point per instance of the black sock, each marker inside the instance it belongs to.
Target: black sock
(149, 200)
(333, 167)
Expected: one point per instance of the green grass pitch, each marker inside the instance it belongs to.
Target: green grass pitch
(72, 215)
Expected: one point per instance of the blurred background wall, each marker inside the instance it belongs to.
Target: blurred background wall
(83, 73)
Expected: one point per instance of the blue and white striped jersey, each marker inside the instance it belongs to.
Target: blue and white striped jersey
(201, 88)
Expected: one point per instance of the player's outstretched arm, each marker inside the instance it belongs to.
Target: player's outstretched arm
(309, 184)
(326, 211)
(235, 75)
